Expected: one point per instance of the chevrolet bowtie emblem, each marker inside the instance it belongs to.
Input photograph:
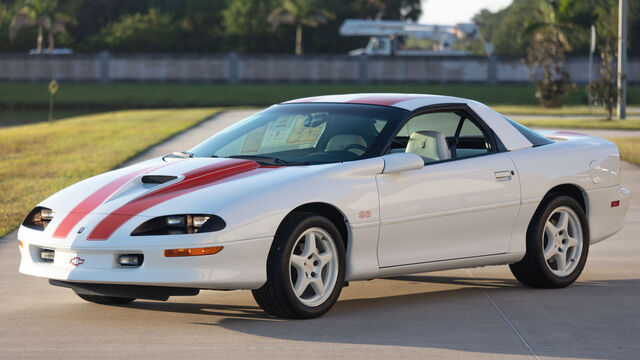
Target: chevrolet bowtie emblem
(76, 261)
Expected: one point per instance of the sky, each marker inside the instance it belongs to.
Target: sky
(450, 12)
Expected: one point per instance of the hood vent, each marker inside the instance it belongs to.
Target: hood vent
(157, 179)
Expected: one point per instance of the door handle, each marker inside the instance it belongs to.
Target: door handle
(504, 175)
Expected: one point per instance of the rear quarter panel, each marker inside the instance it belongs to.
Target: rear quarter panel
(592, 164)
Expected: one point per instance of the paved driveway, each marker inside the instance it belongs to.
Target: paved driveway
(476, 314)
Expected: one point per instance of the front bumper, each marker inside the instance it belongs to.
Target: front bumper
(240, 264)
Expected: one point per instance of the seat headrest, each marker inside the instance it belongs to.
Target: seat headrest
(339, 142)
(430, 145)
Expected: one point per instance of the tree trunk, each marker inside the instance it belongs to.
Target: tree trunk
(39, 46)
(51, 44)
(299, 39)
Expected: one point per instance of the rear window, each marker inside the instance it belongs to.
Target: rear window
(534, 138)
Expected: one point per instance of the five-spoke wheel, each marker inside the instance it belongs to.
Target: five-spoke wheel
(562, 241)
(313, 268)
(305, 268)
(557, 245)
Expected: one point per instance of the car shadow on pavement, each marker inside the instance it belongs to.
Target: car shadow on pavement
(588, 319)
(236, 311)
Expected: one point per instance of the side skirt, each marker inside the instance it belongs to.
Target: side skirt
(476, 261)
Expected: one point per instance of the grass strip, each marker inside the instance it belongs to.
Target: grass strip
(40, 159)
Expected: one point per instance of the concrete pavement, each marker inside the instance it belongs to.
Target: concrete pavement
(479, 313)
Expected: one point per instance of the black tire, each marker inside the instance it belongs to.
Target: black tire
(533, 270)
(276, 296)
(105, 300)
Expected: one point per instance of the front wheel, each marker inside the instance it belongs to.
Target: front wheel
(557, 245)
(305, 268)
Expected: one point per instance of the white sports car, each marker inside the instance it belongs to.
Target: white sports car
(297, 200)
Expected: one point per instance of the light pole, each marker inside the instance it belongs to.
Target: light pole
(592, 49)
(622, 59)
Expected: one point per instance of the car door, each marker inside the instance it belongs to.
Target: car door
(462, 203)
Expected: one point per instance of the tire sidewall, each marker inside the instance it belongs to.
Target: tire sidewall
(535, 240)
(286, 241)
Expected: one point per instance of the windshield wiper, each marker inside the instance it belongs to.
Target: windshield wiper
(266, 160)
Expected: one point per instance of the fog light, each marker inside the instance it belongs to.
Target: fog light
(47, 255)
(130, 260)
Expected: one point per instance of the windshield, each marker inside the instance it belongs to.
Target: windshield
(310, 133)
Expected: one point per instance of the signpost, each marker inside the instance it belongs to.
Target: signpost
(53, 88)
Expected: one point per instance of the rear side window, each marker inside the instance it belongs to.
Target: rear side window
(534, 138)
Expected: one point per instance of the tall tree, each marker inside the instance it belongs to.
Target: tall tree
(299, 13)
(44, 14)
(550, 27)
(390, 9)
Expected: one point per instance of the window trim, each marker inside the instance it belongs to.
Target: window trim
(496, 145)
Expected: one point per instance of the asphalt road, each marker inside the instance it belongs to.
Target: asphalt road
(479, 313)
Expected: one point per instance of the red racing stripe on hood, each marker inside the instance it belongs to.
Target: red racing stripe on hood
(193, 180)
(94, 200)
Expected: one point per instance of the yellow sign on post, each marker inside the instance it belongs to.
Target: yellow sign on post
(53, 89)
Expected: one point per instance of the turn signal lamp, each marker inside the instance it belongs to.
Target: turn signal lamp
(193, 251)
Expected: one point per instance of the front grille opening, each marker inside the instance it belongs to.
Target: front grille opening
(157, 179)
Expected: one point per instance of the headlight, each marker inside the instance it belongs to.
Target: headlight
(180, 224)
(39, 218)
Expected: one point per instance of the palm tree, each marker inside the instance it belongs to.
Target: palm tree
(552, 18)
(42, 13)
(549, 26)
(299, 13)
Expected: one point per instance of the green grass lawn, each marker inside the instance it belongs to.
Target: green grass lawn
(40, 159)
(629, 148)
(133, 95)
(564, 110)
(559, 123)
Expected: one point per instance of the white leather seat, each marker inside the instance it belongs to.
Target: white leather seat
(340, 142)
(430, 145)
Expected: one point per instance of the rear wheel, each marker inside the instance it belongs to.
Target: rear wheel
(305, 268)
(557, 245)
(105, 300)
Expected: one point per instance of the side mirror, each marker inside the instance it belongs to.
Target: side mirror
(394, 163)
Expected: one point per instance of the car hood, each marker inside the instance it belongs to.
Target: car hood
(155, 188)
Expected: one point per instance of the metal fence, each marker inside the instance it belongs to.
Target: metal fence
(235, 68)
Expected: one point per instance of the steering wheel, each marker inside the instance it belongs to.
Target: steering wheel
(356, 146)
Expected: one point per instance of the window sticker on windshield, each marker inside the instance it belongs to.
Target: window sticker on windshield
(277, 132)
(253, 140)
(301, 134)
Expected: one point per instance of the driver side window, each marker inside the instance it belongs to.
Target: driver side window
(441, 136)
